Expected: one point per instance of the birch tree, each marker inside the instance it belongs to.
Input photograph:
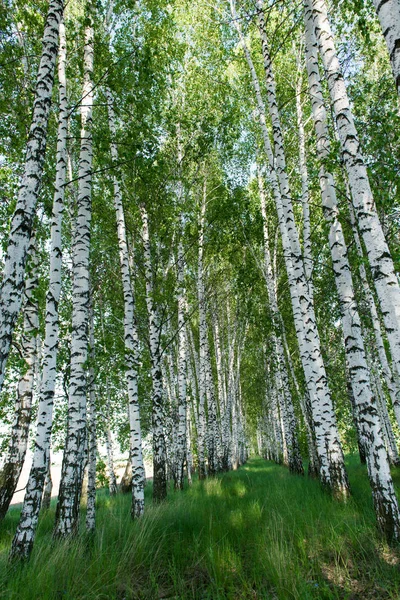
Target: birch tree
(388, 12)
(21, 223)
(379, 257)
(25, 535)
(67, 513)
(330, 454)
(24, 394)
(386, 506)
(130, 332)
(159, 448)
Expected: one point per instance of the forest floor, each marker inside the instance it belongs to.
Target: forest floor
(256, 533)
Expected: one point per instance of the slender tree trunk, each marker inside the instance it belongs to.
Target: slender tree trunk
(294, 459)
(130, 334)
(126, 480)
(48, 488)
(112, 481)
(189, 456)
(159, 447)
(23, 405)
(67, 512)
(91, 430)
(371, 434)
(305, 194)
(392, 382)
(201, 430)
(380, 260)
(388, 12)
(24, 537)
(182, 354)
(356, 419)
(21, 223)
(221, 382)
(306, 409)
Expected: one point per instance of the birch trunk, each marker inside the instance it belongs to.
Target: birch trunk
(392, 382)
(213, 433)
(159, 447)
(112, 481)
(291, 447)
(130, 334)
(379, 258)
(384, 497)
(221, 382)
(388, 12)
(305, 194)
(67, 512)
(201, 431)
(47, 489)
(24, 394)
(189, 456)
(330, 454)
(24, 537)
(306, 409)
(21, 223)
(182, 357)
(91, 431)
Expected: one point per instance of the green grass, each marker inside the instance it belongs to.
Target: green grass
(255, 533)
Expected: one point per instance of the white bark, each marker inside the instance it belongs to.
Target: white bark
(331, 462)
(24, 394)
(388, 12)
(25, 534)
(384, 497)
(392, 382)
(291, 449)
(130, 334)
(159, 448)
(182, 358)
(201, 429)
(305, 194)
(47, 489)
(21, 223)
(67, 513)
(91, 431)
(379, 258)
(112, 480)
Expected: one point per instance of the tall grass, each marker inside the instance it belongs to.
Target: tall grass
(255, 533)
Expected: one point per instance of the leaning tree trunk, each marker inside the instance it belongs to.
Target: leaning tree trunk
(21, 223)
(388, 12)
(379, 258)
(371, 435)
(23, 405)
(25, 534)
(67, 513)
(294, 459)
(159, 447)
(330, 454)
(392, 382)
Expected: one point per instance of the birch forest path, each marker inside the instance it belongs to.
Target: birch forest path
(258, 532)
